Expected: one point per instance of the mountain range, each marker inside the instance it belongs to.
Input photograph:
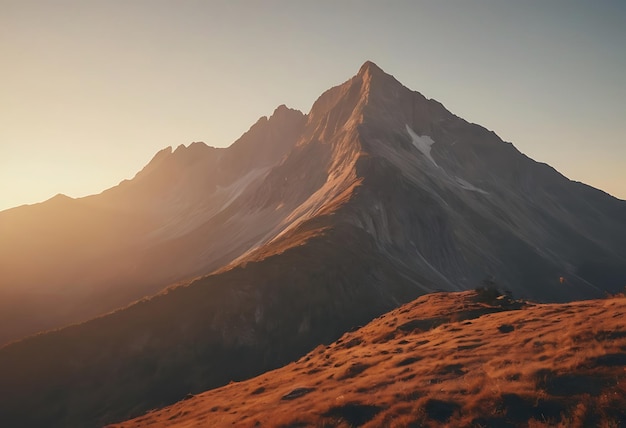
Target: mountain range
(306, 227)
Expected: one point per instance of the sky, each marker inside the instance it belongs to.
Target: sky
(91, 90)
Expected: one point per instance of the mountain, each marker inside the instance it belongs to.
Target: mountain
(457, 359)
(68, 260)
(375, 197)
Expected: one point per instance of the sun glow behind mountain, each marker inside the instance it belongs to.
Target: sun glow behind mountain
(92, 89)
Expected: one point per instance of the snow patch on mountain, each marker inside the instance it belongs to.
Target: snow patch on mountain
(422, 143)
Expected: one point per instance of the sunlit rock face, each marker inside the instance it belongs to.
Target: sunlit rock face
(306, 227)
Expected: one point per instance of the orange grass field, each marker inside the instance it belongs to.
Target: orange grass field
(470, 359)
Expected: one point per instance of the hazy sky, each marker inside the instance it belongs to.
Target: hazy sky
(91, 90)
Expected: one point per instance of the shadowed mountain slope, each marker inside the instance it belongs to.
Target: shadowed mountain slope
(455, 359)
(381, 196)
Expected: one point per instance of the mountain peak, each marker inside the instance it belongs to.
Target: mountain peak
(282, 111)
(281, 108)
(351, 96)
(59, 198)
(371, 68)
(374, 78)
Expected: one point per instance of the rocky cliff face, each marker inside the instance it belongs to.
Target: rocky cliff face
(375, 197)
(455, 200)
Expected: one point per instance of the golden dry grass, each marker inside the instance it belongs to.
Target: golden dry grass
(445, 359)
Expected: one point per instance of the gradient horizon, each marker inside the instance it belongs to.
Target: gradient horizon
(92, 90)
